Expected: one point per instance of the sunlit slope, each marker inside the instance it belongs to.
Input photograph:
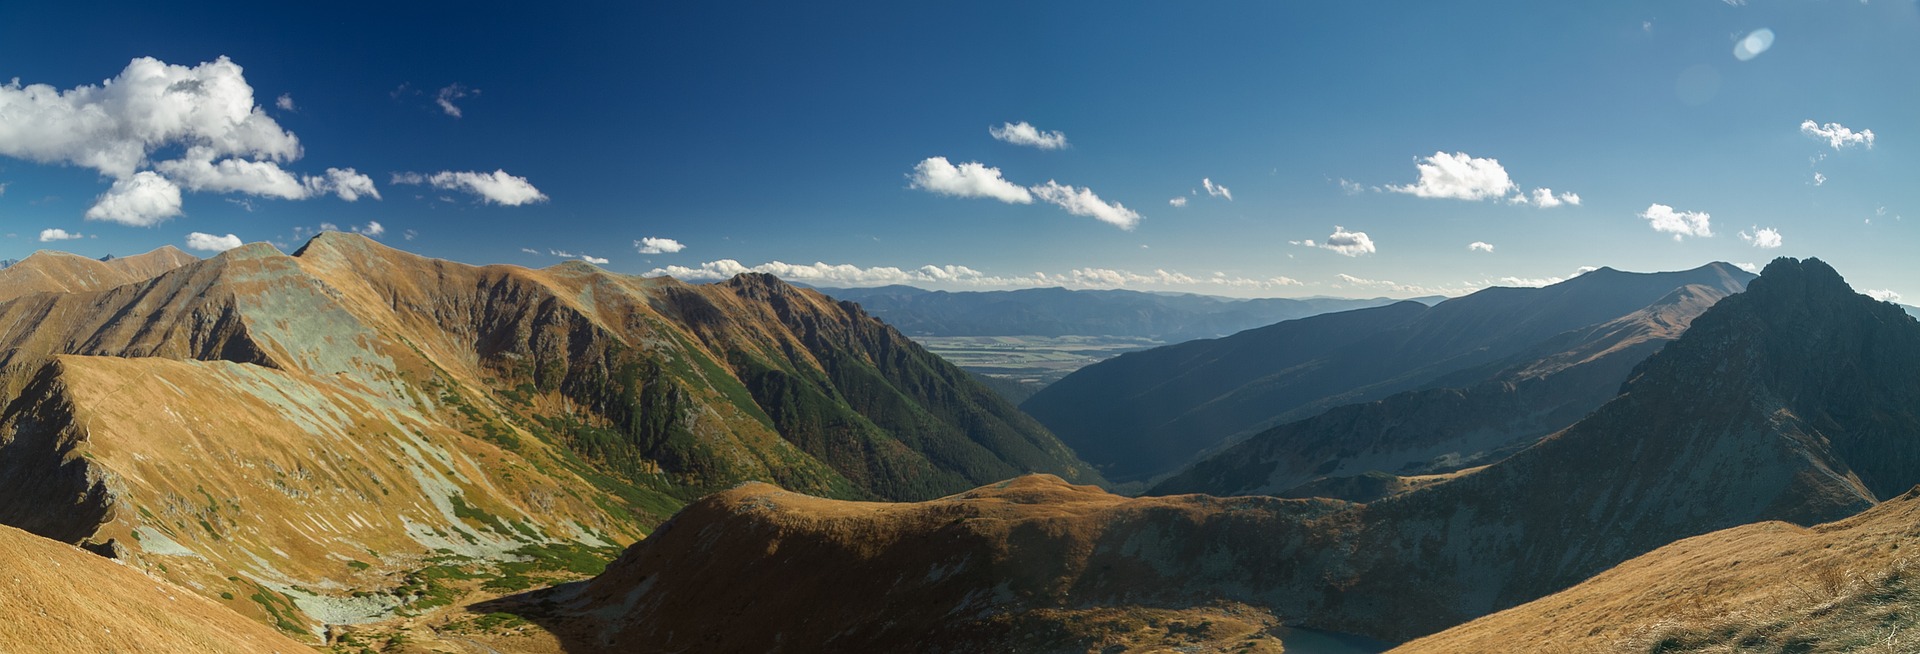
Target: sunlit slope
(60, 599)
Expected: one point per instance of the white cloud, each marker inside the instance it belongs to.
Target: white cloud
(1216, 190)
(143, 199)
(598, 261)
(1460, 177)
(447, 95)
(373, 228)
(968, 180)
(1679, 223)
(593, 260)
(1587, 269)
(825, 274)
(346, 183)
(656, 245)
(211, 243)
(57, 234)
(1546, 199)
(1351, 187)
(197, 171)
(496, 187)
(285, 102)
(1819, 179)
(1480, 246)
(1352, 244)
(1350, 280)
(1884, 295)
(1766, 239)
(114, 127)
(1179, 201)
(1749, 267)
(1083, 202)
(1022, 133)
(1837, 135)
(410, 234)
(1530, 282)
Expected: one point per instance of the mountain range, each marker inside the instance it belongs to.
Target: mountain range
(1791, 401)
(1170, 317)
(353, 432)
(1145, 414)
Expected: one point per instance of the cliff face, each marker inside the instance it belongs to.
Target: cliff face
(1758, 412)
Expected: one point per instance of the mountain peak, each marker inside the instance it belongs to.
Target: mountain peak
(339, 242)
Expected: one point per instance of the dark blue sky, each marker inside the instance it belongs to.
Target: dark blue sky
(753, 133)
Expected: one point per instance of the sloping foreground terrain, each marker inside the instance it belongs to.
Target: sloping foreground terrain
(1793, 401)
(353, 431)
(56, 598)
(1847, 586)
(1366, 451)
(1143, 414)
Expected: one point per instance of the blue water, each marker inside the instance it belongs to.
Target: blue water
(1300, 640)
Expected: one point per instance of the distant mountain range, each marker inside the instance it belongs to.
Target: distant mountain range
(1794, 400)
(1171, 317)
(1144, 414)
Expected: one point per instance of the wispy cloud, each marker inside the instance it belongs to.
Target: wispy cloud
(497, 187)
(825, 274)
(1216, 190)
(1178, 201)
(1083, 202)
(1023, 133)
(452, 92)
(1679, 223)
(1479, 246)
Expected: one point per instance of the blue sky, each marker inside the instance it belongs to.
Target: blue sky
(750, 134)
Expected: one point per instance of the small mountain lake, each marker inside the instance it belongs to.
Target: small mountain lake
(1300, 640)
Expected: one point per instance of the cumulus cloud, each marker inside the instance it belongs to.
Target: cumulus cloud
(1352, 244)
(346, 183)
(967, 180)
(1545, 198)
(207, 113)
(448, 94)
(142, 199)
(593, 260)
(1679, 223)
(285, 102)
(211, 243)
(1216, 190)
(496, 187)
(656, 245)
(1749, 267)
(1766, 239)
(57, 234)
(1022, 133)
(1480, 246)
(1179, 201)
(1460, 177)
(372, 228)
(1083, 202)
(1837, 135)
(1884, 295)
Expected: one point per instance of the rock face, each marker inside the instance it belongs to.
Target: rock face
(61, 599)
(270, 418)
(1792, 401)
(1355, 452)
(1144, 414)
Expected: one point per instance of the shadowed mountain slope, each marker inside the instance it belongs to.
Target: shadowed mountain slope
(1144, 414)
(1441, 430)
(1794, 400)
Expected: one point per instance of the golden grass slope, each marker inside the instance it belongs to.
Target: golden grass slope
(1847, 586)
(53, 271)
(57, 598)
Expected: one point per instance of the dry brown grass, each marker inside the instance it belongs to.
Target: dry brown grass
(1846, 586)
